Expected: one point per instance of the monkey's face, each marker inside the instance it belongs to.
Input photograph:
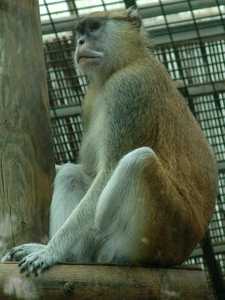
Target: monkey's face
(107, 42)
(89, 52)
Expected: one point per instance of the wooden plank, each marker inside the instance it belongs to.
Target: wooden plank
(86, 281)
(26, 150)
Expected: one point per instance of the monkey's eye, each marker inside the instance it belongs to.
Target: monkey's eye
(95, 26)
(80, 29)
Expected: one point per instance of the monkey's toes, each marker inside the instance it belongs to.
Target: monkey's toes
(7, 257)
(32, 264)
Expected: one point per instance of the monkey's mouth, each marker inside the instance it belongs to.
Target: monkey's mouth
(84, 58)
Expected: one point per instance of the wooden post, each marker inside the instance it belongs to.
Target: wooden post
(26, 151)
(102, 282)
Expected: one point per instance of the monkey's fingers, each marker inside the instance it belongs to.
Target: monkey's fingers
(32, 264)
(19, 252)
(16, 254)
(7, 257)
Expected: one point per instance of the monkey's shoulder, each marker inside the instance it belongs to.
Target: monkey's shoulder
(143, 77)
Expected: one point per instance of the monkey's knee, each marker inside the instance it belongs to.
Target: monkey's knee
(71, 177)
(137, 159)
(70, 186)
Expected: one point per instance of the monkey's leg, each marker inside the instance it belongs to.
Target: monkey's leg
(138, 194)
(70, 186)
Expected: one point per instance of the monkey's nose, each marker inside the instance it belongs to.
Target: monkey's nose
(81, 41)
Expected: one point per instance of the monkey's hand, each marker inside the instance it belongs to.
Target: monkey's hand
(34, 258)
(19, 252)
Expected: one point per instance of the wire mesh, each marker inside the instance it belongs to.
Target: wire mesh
(188, 37)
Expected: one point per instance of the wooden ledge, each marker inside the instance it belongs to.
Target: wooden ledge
(95, 281)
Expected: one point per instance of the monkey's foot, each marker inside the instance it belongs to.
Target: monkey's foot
(34, 258)
(19, 252)
(35, 263)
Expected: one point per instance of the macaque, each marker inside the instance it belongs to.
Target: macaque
(144, 189)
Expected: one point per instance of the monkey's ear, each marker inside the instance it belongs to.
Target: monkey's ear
(133, 17)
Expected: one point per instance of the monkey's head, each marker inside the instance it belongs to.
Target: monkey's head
(107, 42)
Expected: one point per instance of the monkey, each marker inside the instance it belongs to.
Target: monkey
(145, 185)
